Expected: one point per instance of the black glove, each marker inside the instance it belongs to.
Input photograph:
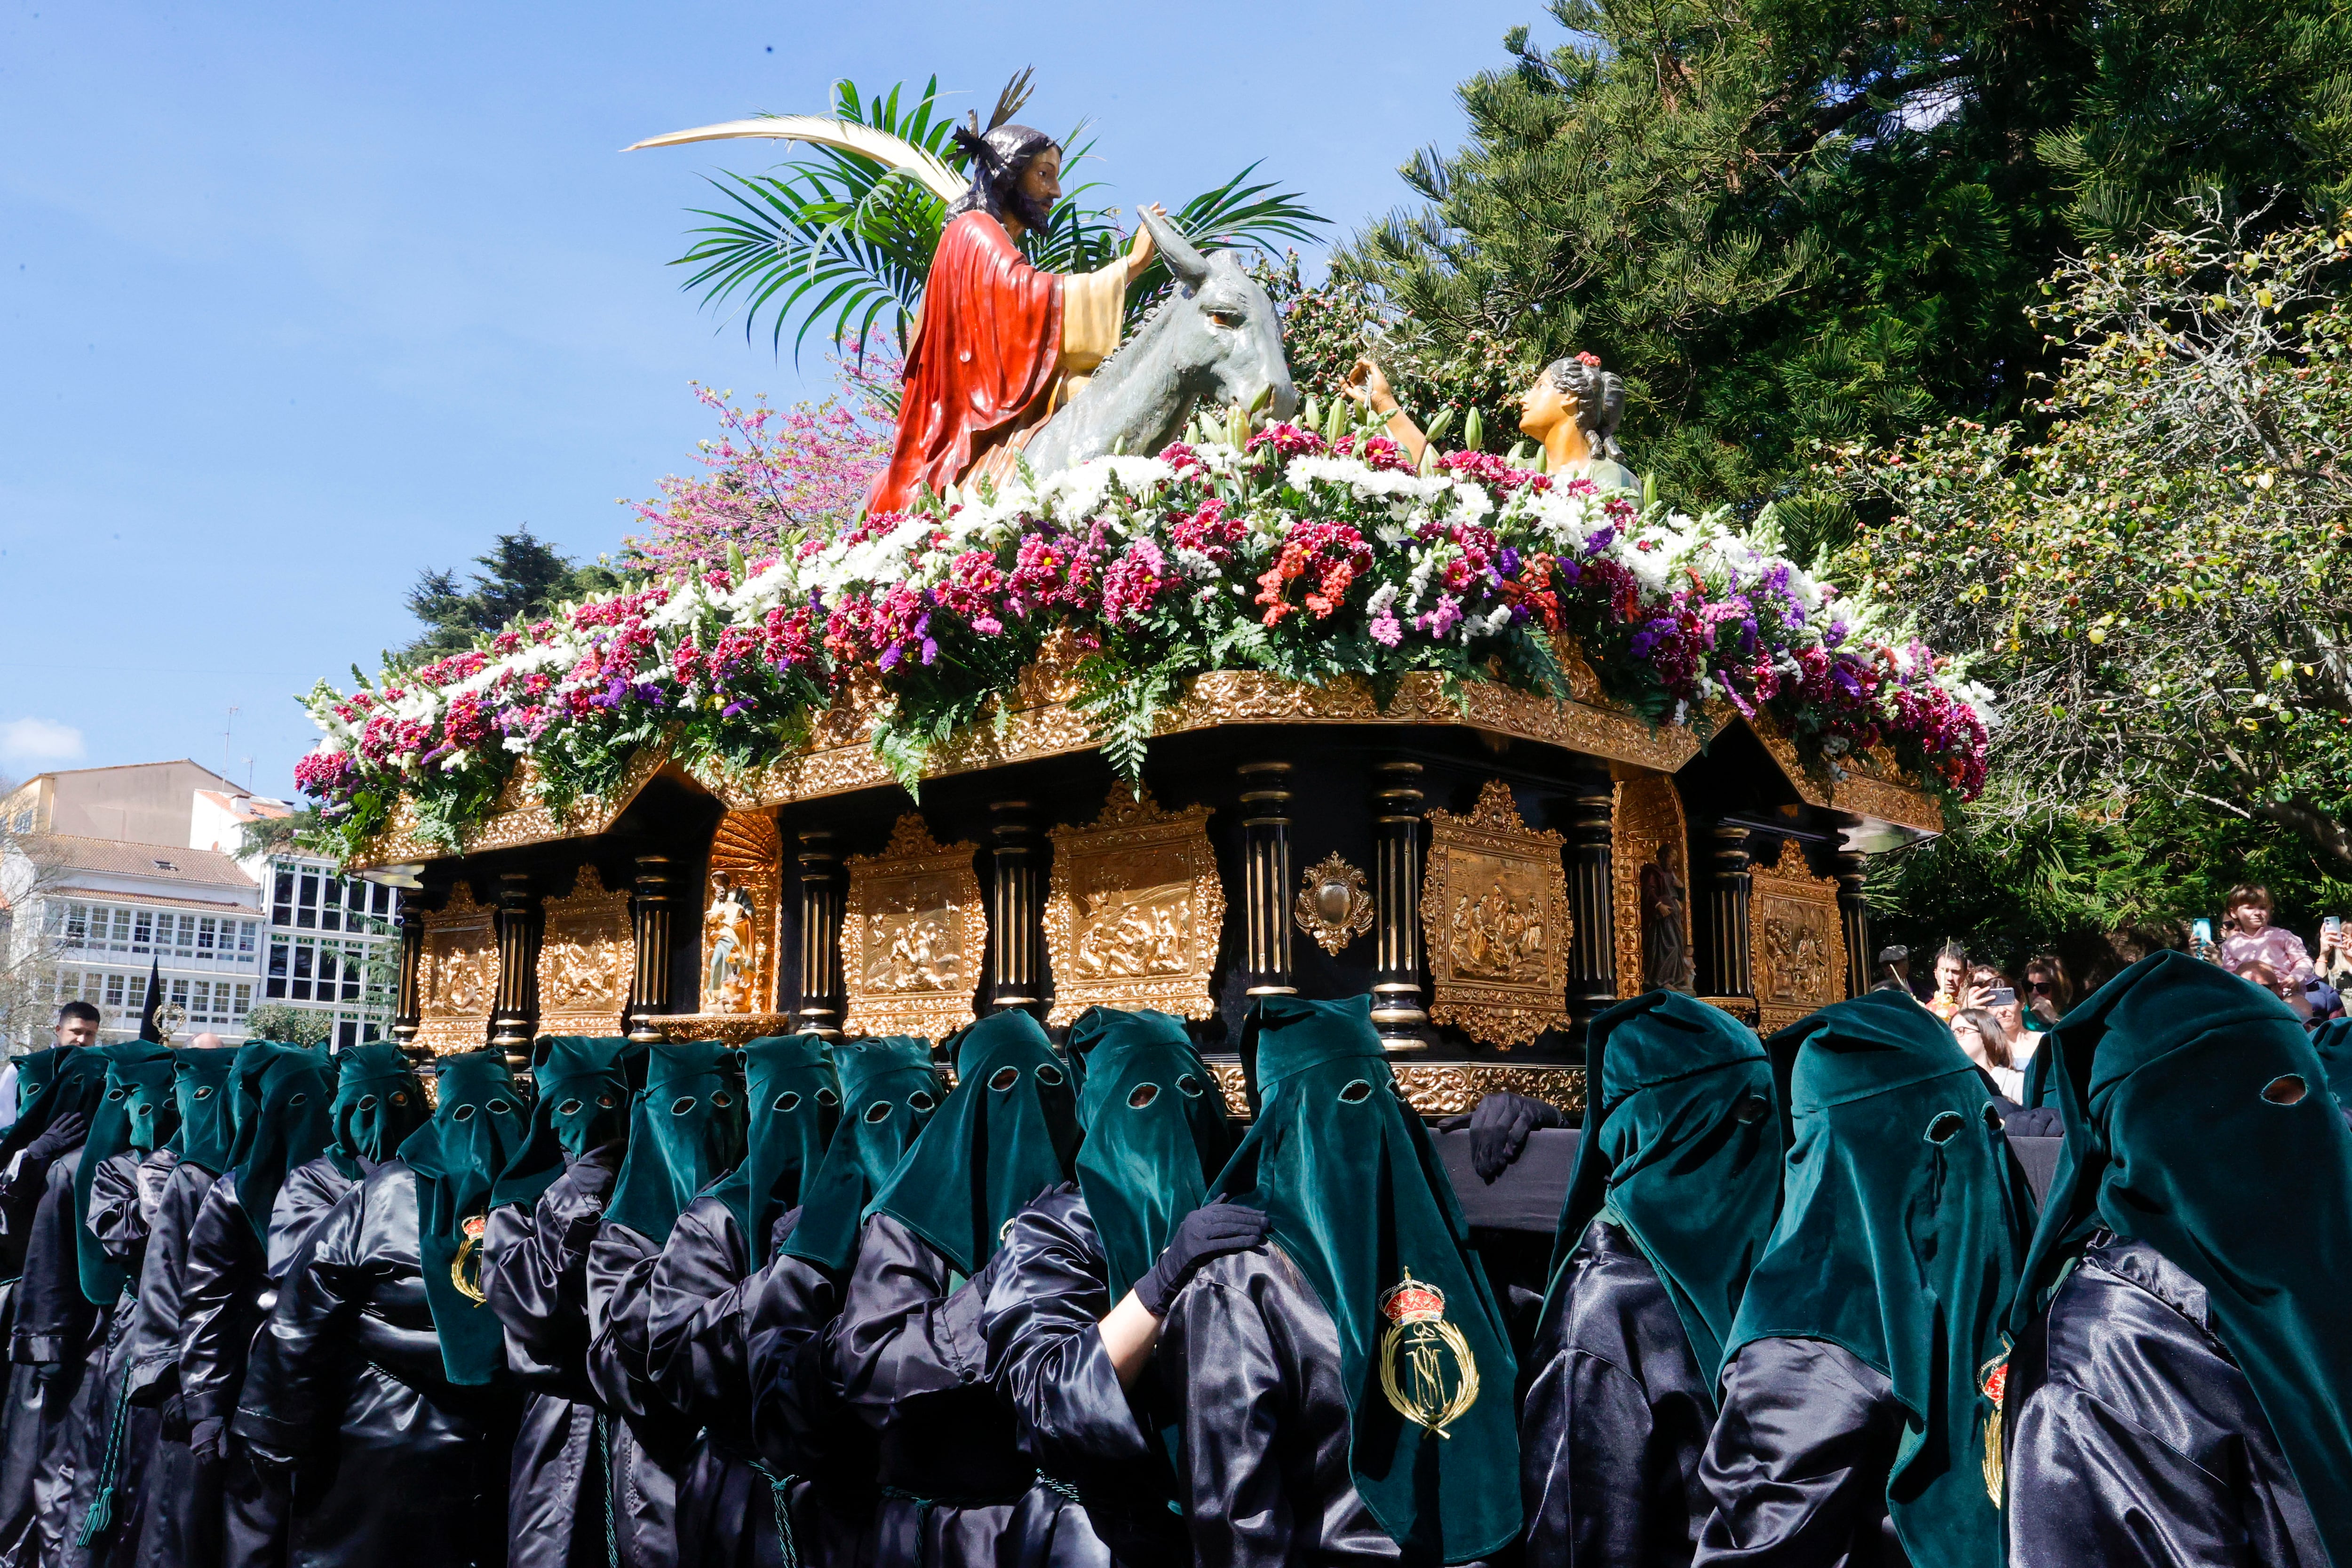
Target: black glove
(1211, 1231)
(174, 1419)
(204, 1439)
(1499, 1125)
(62, 1136)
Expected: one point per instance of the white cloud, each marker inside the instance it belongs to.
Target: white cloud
(28, 743)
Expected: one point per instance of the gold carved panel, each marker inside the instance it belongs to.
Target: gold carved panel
(1647, 830)
(1135, 911)
(1797, 940)
(1494, 906)
(913, 935)
(587, 956)
(740, 915)
(1444, 1088)
(458, 974)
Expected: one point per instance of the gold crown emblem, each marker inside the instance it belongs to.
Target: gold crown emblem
(474, 1227)
(1411, 1302)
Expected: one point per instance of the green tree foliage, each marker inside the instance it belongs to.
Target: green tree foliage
(521, 575)
(289, 1025)
(2154, 576)
(1783, 221)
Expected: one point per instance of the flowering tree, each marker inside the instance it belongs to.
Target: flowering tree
(1308, 558)
(773, 478)
(2155, 582)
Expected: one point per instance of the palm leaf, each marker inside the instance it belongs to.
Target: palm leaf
(839, 241)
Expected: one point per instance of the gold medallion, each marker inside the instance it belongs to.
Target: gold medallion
(1426, 1368)
(468, 1281)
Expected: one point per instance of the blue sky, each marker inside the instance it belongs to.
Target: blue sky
(295, 301)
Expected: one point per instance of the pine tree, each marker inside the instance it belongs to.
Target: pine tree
(521, 575)
(1783, 221)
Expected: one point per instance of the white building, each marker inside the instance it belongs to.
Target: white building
(103, 870)
(100, 890)
(332, 947)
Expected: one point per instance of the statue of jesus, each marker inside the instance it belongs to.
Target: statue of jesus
(999, 344)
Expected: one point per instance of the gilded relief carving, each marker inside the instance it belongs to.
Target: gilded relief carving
(458, 974)
(1448, 1089)
(1650, 876)
(1494, 907)
(1333, 906)
(1798, 941)
(913, 935)
(739, 917)
(586, 953)
(1135, 911)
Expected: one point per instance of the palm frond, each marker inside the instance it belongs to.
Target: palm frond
(839, 241)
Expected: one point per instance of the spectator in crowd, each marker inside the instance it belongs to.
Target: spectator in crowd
(1951, 975)
(2334, 965)
(2257, 973)
(1987, 987)
(2047, 992)
(1895, 970)
(2250, 938)
(1980, 1034)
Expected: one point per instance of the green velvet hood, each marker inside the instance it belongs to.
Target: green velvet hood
(1903, 1220)
(137, 1075)
(379, 1101)
(1156, 1132)
(888, 1092)
(2199, 1121)
(64, 1079)
(686, 1129)
(289, 1122)
(582, 1087)
(199, 1084)
(1682, 1146)
(2333, 1042)
(1005, 1135)
(480, 1122)
(1348, 1174)
(793, 1108)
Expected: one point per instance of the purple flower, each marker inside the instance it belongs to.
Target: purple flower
(732, 708)
(1385, 629)
(1507, 560)
(1834, 635)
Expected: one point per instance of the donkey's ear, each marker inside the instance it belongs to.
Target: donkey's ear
(1191, 267)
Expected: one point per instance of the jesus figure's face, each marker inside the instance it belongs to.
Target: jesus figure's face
(1037, 191)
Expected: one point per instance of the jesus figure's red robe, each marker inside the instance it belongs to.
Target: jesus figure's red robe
(995, 336)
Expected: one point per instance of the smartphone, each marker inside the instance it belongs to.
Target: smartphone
(2332, 925)
(2003, 997)
(2200, 934)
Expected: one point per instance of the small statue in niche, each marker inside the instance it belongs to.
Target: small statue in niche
(1666, 950)
(729, 947)
(1573, 408)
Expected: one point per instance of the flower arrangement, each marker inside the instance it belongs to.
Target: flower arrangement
(1306, 557)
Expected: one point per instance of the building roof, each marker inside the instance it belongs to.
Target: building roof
(125, 767)
(120, 858)
(247, 808)
(211, 906)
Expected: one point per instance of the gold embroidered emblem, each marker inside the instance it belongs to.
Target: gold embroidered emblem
(1426, 1369)
(1992, 1378)
(468, 1281)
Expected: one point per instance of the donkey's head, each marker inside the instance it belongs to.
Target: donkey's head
(1223, 336)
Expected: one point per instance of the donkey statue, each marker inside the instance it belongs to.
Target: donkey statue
(1215, 338)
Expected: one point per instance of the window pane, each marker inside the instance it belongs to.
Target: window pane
(115, 989)
(303, 959)
(207, 934)
(245, 933)
(77, 922)
(136, 996)
(244, 1002)
(179, 992)
(143, 930)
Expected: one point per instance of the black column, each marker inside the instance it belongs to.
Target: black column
(649, 919)
(1266, 876)
(518, 968)
(1592, 903)
(1852, 870)
(822, 998)
(1397, 1001)
(1016, 912)
(1723, 953)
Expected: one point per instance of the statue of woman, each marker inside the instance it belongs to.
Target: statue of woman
(1573, 408)
(728, 926)
(1666, 954)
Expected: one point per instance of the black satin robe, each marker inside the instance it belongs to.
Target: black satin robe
(908, 1356)
(180, 1528)
(310, 1190)
(801, 1430)
(1075, 1422)
(60, 1335)
(2137, 1443)
(1796, 1467)
(577, 1471)
(673, 1347)
(397, 1467)
(1251, 1357)
(1616, 1417)
(225, 1293)
(124, 1192)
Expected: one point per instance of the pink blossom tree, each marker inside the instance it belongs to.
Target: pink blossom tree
(773, 478)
